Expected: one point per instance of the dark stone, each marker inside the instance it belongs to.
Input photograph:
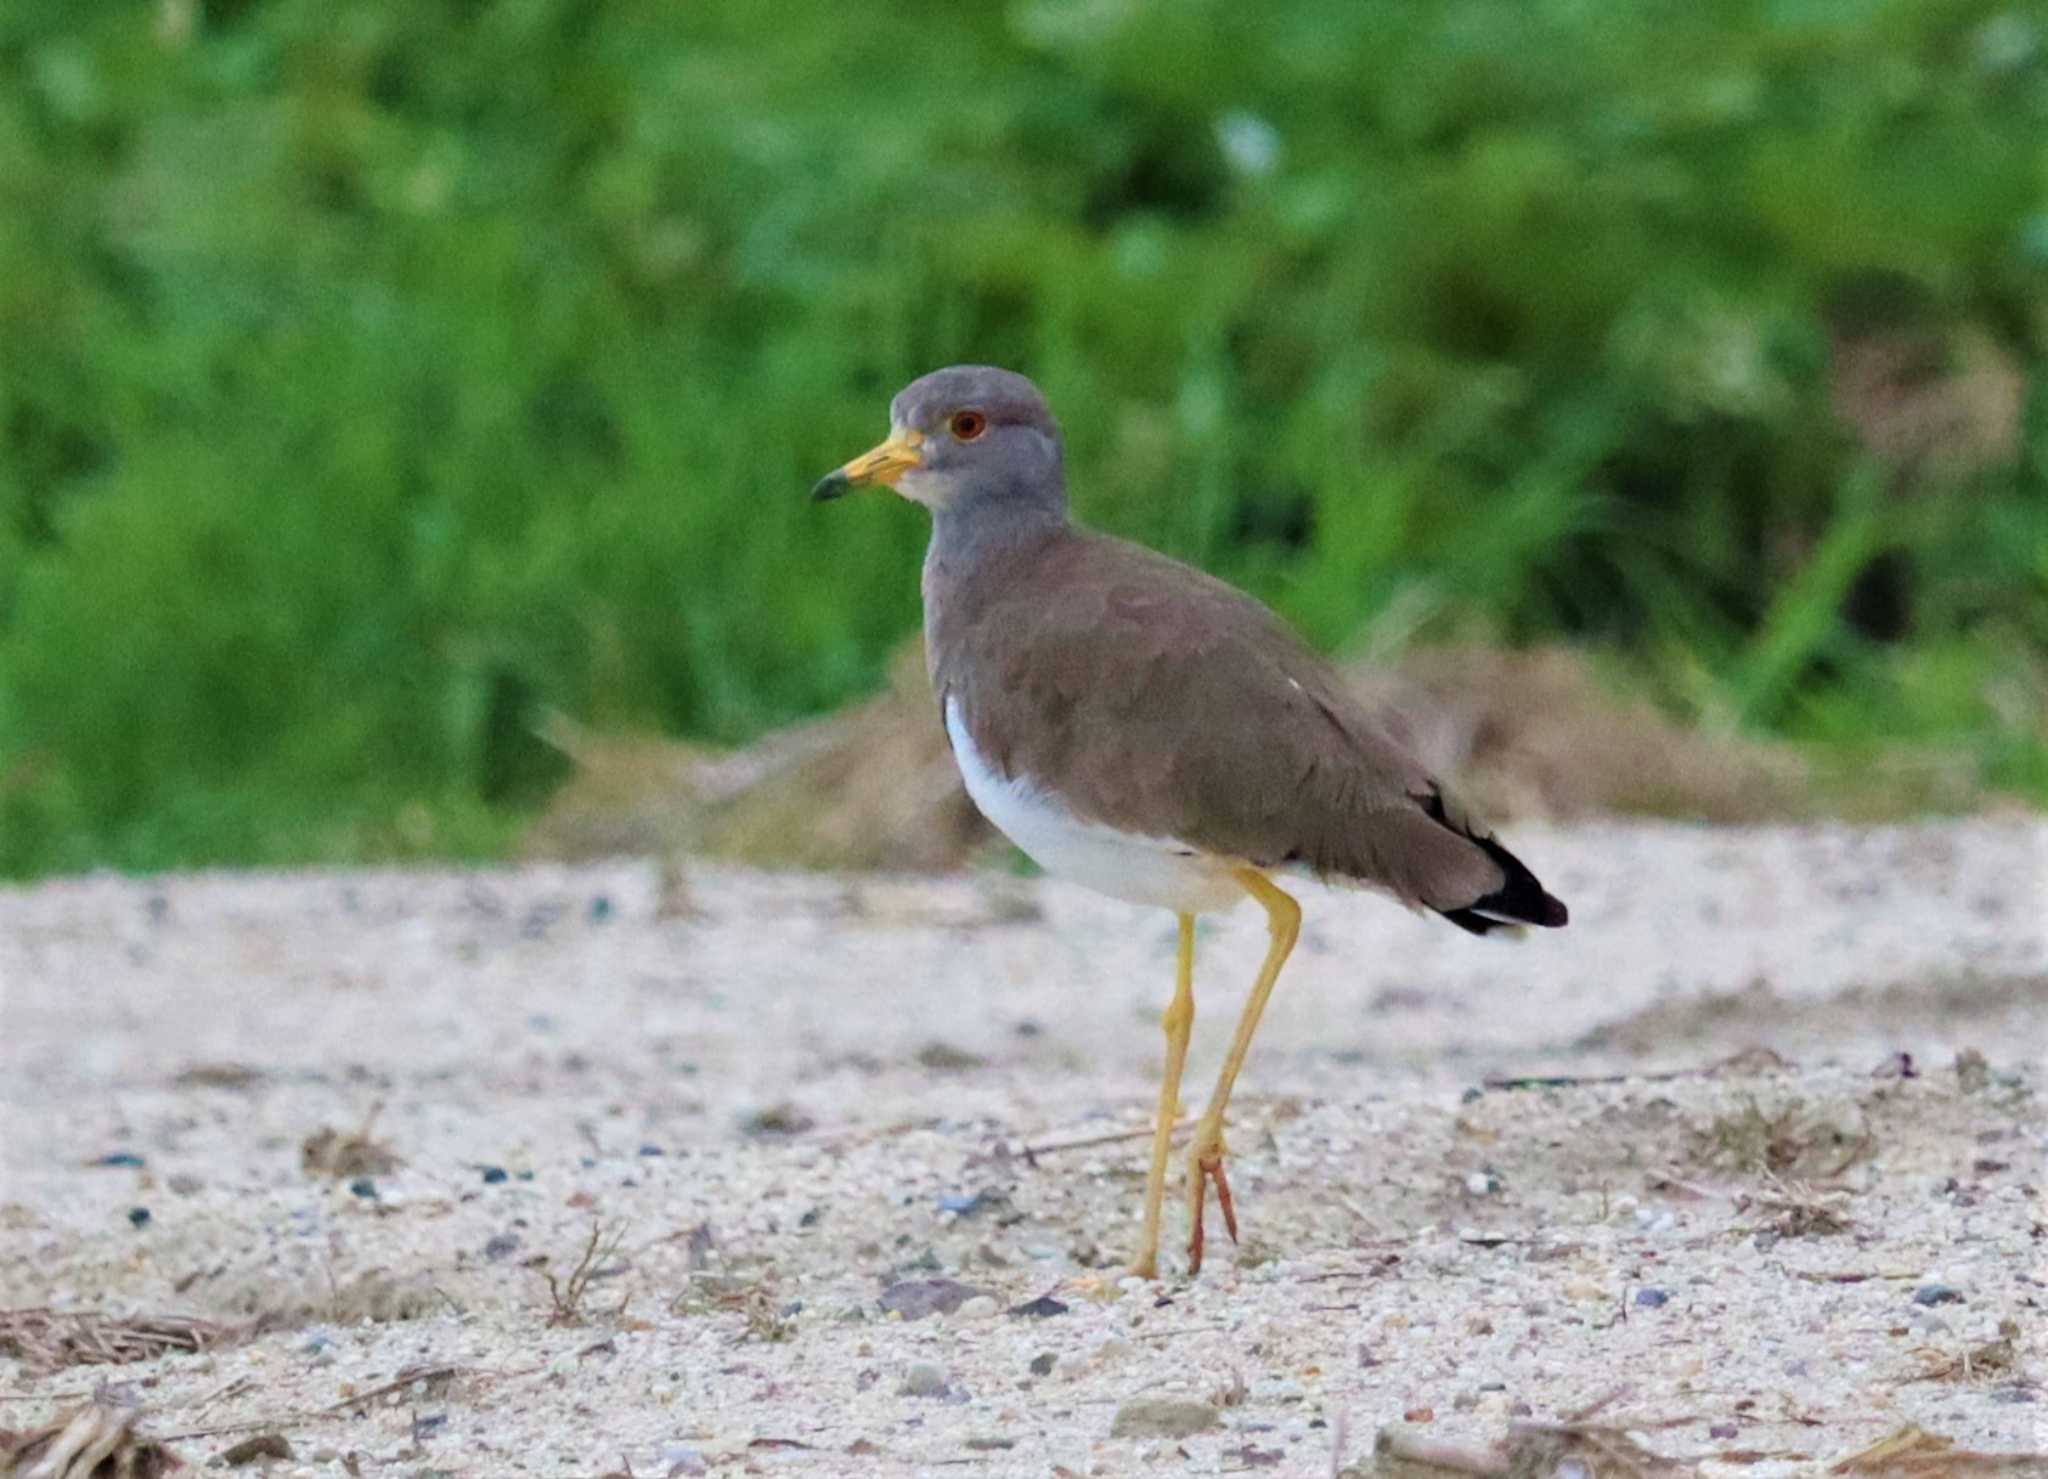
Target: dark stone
(1932, 1294)
(262, 1446)
(1042, 1308)
(1651, 1299)
(138, 1216)
(915, 1299)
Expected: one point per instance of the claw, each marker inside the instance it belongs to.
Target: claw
(1208, 1168)
(1223, 1198)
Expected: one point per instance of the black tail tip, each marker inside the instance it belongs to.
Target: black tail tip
(1510, 909)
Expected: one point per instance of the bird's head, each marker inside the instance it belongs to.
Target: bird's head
(960, 436)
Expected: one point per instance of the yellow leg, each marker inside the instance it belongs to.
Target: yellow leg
(1179, 1021)
(1205, 1160)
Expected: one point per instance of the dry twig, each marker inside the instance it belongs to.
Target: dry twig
(567, 1295)
(51, 1340)
(96, 1441)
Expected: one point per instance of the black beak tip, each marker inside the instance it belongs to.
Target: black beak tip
(832, 485)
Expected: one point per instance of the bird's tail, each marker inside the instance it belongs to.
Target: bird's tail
(1520, 900)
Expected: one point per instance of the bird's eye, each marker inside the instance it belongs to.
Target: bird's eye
(967, 425)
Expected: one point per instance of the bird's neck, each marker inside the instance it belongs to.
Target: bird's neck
(975, 547)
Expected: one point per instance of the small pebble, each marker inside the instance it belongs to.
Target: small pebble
(981, 1307)
(363, 1186)
(494, 1174)
(1041, 1364)
(138, 1216)
(120, 1158)
(1042, 1308)
(681, 1458)
(501, 1245)
(1482, 1183)
(1937, 1294)
(923, 1379)
(261, 1447)
(1651, 1299)
(1723, 1430)
(652, 1150)
(1163, 1417)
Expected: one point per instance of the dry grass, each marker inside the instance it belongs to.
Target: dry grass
(1530, 1451)
(1528, 734)
(1785, 1143)
(567, 1294)
(1798, 1210)
(1579, 1449)
(331, 1152)
(1993, 1358)
(96, 1441)
(1914, 1453)
(757, 1302)
(50, 1340)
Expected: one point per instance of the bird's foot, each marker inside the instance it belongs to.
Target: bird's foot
(1204, 1167)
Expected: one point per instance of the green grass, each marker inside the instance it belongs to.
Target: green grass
(376, 377)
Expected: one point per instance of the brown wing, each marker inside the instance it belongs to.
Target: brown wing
(1157, 699)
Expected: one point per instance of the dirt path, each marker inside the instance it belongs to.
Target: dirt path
(783, 1096)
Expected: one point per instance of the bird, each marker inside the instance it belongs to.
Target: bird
(1140, 727)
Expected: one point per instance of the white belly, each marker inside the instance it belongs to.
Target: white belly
(1124, 865)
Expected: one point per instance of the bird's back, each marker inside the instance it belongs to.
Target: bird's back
(1151, 697)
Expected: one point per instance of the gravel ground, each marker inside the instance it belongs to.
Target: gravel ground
(853, 1151)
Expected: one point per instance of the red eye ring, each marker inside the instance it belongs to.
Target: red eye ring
(967, 425)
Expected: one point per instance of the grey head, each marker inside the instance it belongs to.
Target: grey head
(961, 439)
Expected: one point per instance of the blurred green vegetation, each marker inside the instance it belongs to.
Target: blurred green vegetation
(376, 377)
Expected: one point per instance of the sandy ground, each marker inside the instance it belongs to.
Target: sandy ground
(785, 1102)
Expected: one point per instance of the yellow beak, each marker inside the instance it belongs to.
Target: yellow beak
(884, 465)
